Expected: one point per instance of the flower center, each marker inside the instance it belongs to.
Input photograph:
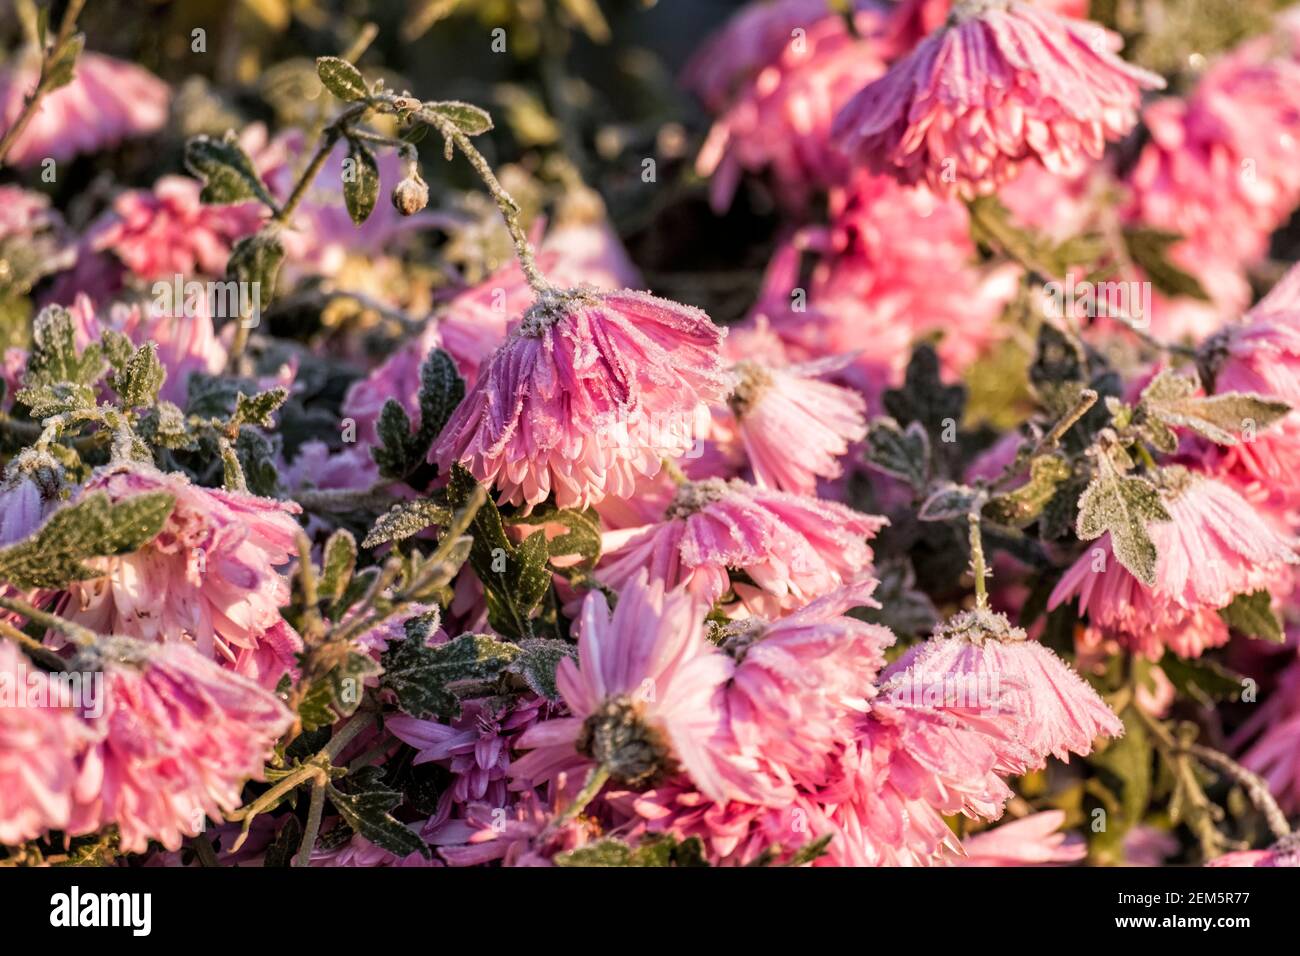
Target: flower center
(617, 736)
(694, 496)
(751, 380)
(979, 625)
(965, 10)
(737, 637)
(551, 306)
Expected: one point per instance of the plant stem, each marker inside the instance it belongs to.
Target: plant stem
(315, 811)
(34, 648)
(977, 561)
(1255, 786)
(596, 779)
(48, 57)
(81, 636)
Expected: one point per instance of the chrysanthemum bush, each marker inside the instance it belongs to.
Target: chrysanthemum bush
(353, 517)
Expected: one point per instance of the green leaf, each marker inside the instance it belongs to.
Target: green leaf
(341, 78)
(59, 398)
(228, 174)
(1171, 399)
(141, 377)
(811, 851)
(949, 502)
(1252, 616)
(652, 851)
(441, 390)
(515, 578)
(367, 814)
(55, 358)
(1122, 505)
(583, 537)
(282, 849)
(924, 398)
(469, 119)
(902, 454)
(1149, 250)
(405, 519)
(93, 527)
(258, 460)
(64, 66)
(360, 182)
(1021, 506)
(403, 448)
(1126, 769)
(338, 563)
(424, 677)
(255, 260)
(400, 450)
(339, 692)
(538, 658)
(257, 409)
(1201, 679)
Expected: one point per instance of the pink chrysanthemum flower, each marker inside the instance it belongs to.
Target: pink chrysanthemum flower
(794, 427)
(1034, 840)
(646, 699)
(814, 670)
(1215, 547)
(991, 674)
(209, 577)
(911, 21)
(178, 738)
(107, 101)
(1284, 853)
(781, 121)
(590, 391)
(1219, 168)
(167, 231)
(1001, 83)
(525, 836)
(791, 548)
(39, 737)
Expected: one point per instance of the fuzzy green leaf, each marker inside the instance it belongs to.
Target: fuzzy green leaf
(1021, 506)
(1252, 616)
(360, 182)
(949, 502)
(405, 519)
(1171, 399)
(341, 78)
(1122, 505)
(141, 377)
(536, 664)
(367, 814)
(338, 564)
(469, 119)
(256, 259)
(229, 175)
(902, 454)
(1149, 250)
(423, 677)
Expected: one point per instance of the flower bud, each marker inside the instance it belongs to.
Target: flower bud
(411, 194)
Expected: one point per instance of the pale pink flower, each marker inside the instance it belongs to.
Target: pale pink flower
(167, 231)
(1215, 547)
(107, 101)
(208, 578)
(994, 676)
(187, 343)
(645, 698)
(794, 427)
(814, 670)
(178, 738)
(791, 548)
(1001, 83)
(1284, 853)
(39, 737)
(398, 378)
(1030, 841)
(318, 466)
(521, 834)
(590, 391)
(24, 213)
(781, 120)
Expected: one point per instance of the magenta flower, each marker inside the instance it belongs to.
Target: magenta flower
(522, 834)
(1033, 840)
(167, 231)
(791, 548)
(177, 740)
(107, 101)
(794, 427)
(209, 577)
(39, 737)
(1001, 83)
(590, 391)
(781, 120)
(992, 675)
(1284, 853)
(1215, 547)
(646, 699)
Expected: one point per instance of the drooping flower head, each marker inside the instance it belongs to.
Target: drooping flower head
(1003, 82)
(791, 548)
(1215, 547)
(588, 393)
(995, 677)
(208, 578)
(177, 740)
(107, 101)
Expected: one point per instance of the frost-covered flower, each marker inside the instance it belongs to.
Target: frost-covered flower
(791, 548)
(795, 427)
(1003, 82)
(995, 677)
(590, 390)
(913, 20)
(1215, 547)
(177, 740)
(107, 101)
(208, 578)
(522, 834)
(645, 698)
(1284, 853)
